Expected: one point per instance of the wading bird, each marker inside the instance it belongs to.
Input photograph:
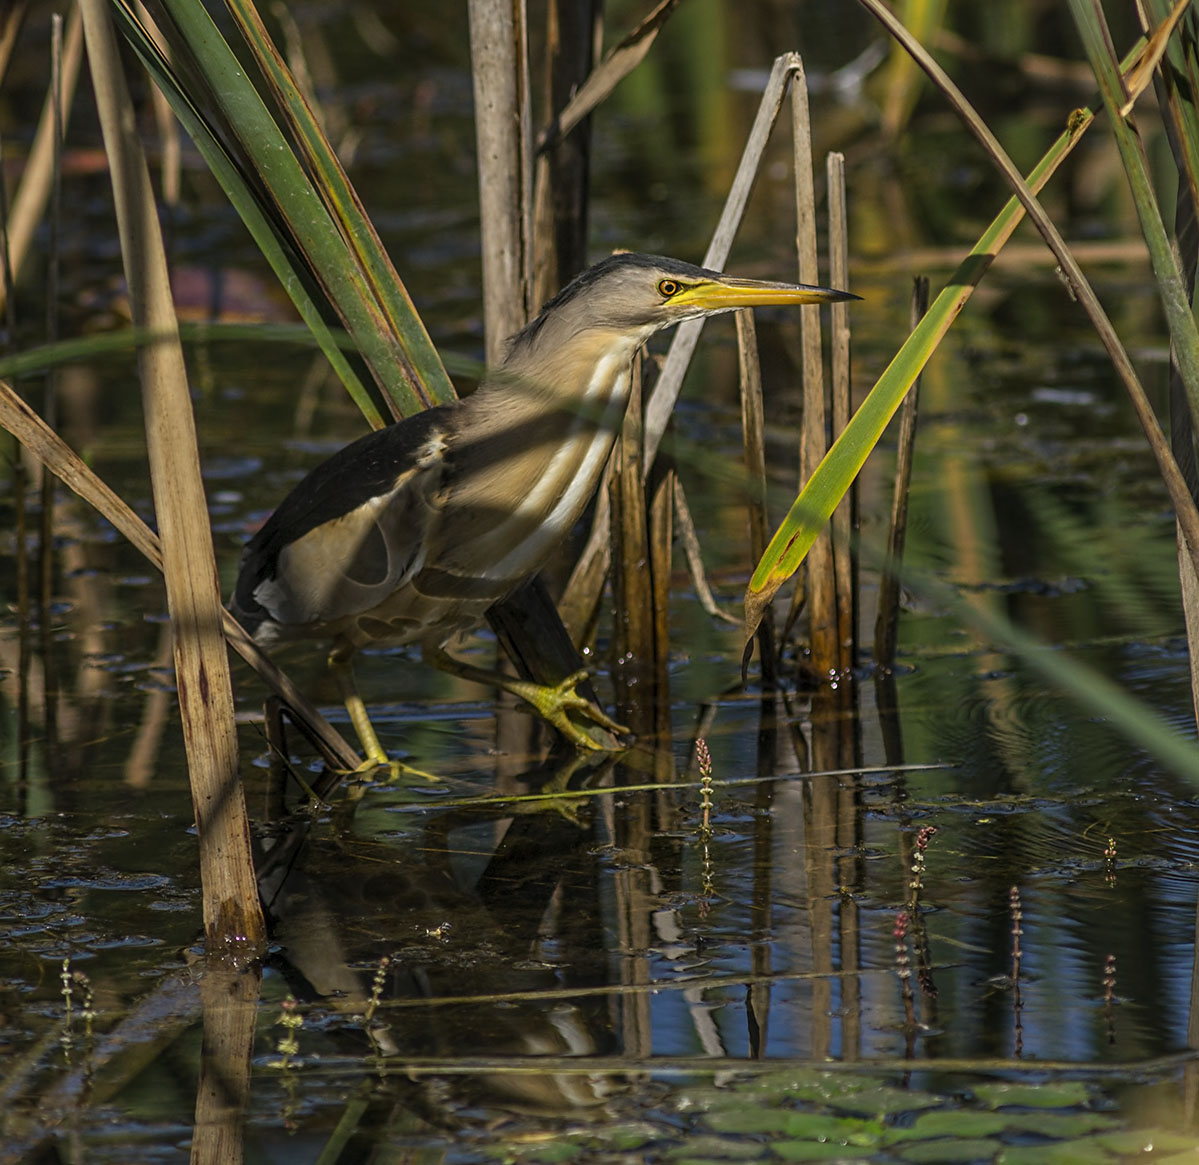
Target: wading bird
(412, 532)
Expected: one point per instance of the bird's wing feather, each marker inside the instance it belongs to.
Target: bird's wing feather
(351, 532)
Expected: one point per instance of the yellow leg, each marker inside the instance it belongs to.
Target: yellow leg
(343, 670)
(553, 703)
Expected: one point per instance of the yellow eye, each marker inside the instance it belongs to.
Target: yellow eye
(668, 287)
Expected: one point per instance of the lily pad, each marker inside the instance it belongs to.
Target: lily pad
(1144, 1142)
(815, 1126)
(699, 1147)
(960, 1122)
(626, 1137)
(809, 1084)
(884, 1101)
(952, 1151)
(1073, 1153)
(1064, 1094)
(748, 1119)
(1062, 1126)
(816, 1151)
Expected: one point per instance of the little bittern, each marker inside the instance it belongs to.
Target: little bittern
(411, 533)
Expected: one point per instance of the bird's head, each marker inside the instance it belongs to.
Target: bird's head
(638, 295)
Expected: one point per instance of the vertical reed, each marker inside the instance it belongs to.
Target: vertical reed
(233, 920)
(820, 590)
(753, 433)
(845, 516)
(886, 627)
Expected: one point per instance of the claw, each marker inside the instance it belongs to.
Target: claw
(554, 702)
(550, 701)
(395, 768)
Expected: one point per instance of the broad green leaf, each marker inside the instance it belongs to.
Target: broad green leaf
(422, 366)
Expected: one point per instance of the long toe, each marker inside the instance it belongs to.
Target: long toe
(555, 702)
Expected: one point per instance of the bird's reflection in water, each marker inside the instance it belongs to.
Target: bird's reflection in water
(492, 917)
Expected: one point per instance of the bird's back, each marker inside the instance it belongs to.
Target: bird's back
(348, 535)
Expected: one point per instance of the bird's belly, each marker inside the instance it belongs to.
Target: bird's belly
(408, 616)
(528, 524)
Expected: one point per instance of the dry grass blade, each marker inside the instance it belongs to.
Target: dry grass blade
(20, 420)
(613, 69)
(1139, 79)
(11, 19)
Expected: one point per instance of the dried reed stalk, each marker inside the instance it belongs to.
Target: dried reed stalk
(845, 516)
(572, 35)
(233, 921)
(661, 554)
(499, 68)
(820, 592)
(50, 395)
(633, 641)
(753, 433)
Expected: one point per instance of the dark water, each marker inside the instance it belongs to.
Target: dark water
(598, 972)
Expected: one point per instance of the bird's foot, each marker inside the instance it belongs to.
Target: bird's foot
(395, 769)
(554, 703)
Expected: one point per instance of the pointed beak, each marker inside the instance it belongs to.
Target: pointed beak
(727, 294)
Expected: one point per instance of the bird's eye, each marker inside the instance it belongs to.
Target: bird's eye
(668, 287)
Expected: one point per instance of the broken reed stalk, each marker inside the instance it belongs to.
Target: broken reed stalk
(663, 395)
(820, 590)
(753, 435)
(233, 922)
(886, 625)
(845, 516)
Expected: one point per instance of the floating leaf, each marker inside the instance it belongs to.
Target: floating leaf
(844, 1130)
(1061, 1095)
(955, 1122)
(747, 1119)
(952, 1151)
(885, 1101)
(814, 1151)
